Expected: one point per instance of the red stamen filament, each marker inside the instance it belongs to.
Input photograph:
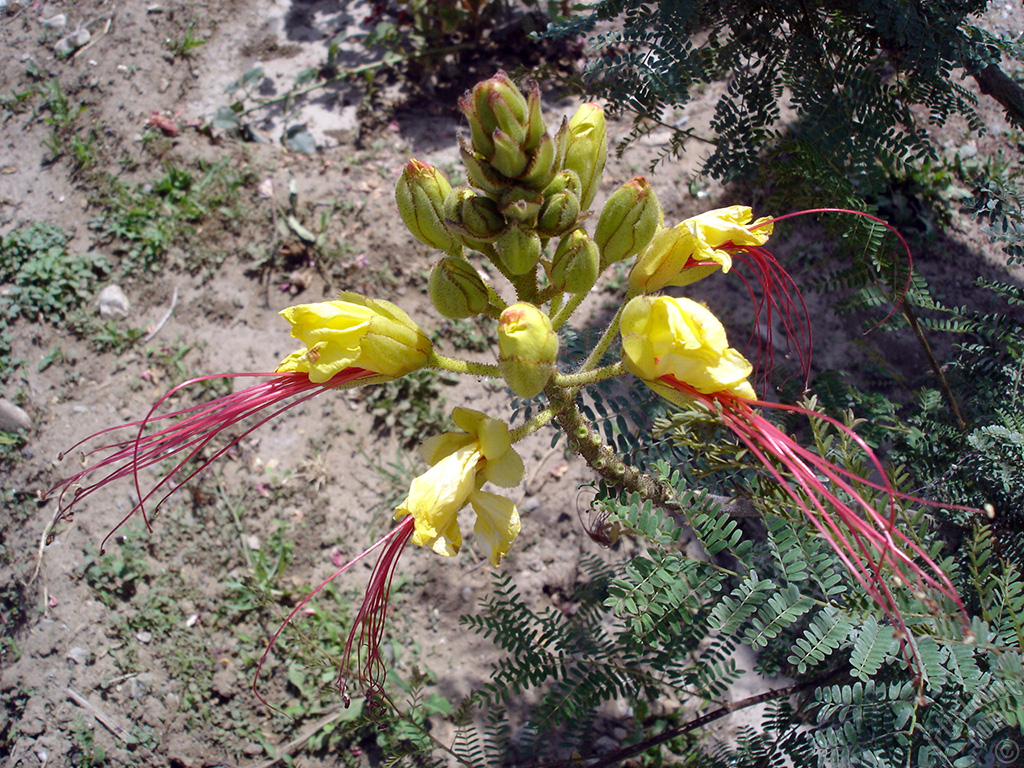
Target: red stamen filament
(864, 542)
(195, 428)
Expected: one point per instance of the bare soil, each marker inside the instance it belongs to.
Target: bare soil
(151, 657)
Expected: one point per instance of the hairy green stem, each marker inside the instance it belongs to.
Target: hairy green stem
(532, 425)
(596, 355)
(566, 312)
(577, 380)
(463, 366)
(603, 459)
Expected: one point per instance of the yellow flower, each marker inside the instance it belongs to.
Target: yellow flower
(354, 332)
(663, 336)
(696, 247)
(461, 462)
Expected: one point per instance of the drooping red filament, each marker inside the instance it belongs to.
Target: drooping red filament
(780, 296)
(368, 628)
(369, 622)
(187, 432)
(866, 541)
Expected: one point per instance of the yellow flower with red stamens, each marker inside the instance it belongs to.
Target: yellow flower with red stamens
(354, 332)
(679, 349)
(461, 463)
(697, 247)
(679, 337)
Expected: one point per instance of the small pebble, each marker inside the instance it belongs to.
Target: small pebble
(112, 302)
(144, 636)
(12, 418)
(79, 655)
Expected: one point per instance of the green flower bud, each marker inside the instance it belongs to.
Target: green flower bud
(421, 192)
(519, 250)
(535, 127)
(564, 180)
(587, 149)
(628, 221)
(495, 103)
(456, 289)
(509, 111)
(576, 263)
(508, 159)
(559, 214)
(480, 173)
(528, 347)
(546, 160)
(521, 205)
(474, 218)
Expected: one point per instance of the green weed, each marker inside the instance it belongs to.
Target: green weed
(48, 281)
(85, 752)
(116, 574)
(411, 407)
(185, 46)
(147, 219)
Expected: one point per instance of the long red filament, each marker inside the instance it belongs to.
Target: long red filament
(191, 430)
(864, 540)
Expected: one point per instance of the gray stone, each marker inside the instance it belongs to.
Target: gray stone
(13, 418)
(57, 21)
(112, 302)
(79, 655)
(71, 43)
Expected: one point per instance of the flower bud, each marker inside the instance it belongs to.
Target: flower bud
(587, 149)
(564, 180)
(480, 173)
(546, 160)
(495, 104)
(456, 289)
(519, 250)
(559, 214)
(628, 221)
(528, 347)
(576, 263)
(521, 205)
(535, 127)
(475, 218)
(421, 192)
(508, 159)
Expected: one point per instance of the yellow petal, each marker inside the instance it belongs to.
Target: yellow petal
(664, 336)
(296, 362)
(436, 496)
(506, 472)
(497, 524)
(495, 441)
(437, 447)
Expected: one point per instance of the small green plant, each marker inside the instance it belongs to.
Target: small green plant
(49, 281)
(114, 575)
(184, 48)
(410, 407)
(62, 118)
(46, 281)
(85, 752)
(145, 220)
